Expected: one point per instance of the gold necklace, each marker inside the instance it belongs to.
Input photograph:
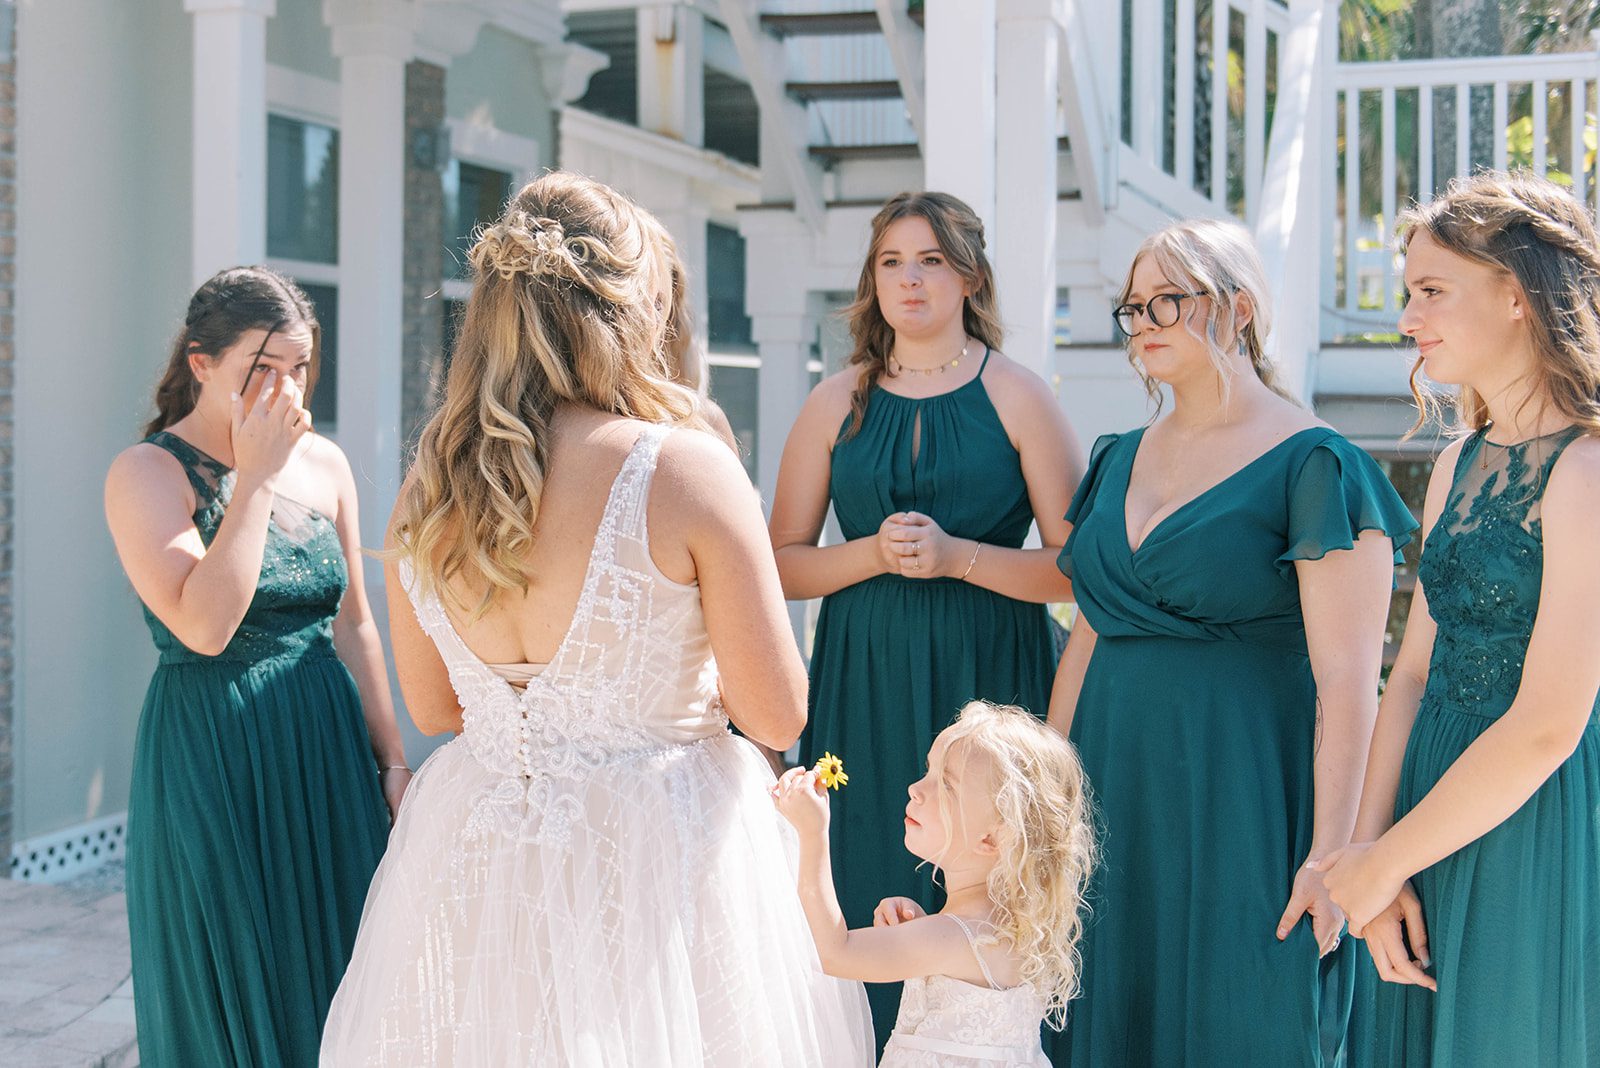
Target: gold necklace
(896, 367)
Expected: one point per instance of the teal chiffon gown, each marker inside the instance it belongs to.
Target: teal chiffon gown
(1196, 725)
(894, 658)
(1513, 919)
(255, 821)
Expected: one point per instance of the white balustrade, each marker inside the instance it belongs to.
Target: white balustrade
(1514, 95)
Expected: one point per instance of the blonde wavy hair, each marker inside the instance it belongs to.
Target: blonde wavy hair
(1214, 258)
(1536, 235)
(959, 233)
(1046, 841)
(560, 311)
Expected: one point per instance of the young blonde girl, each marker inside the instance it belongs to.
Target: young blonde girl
(1002, 813)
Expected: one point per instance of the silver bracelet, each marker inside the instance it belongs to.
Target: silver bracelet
(393, 767)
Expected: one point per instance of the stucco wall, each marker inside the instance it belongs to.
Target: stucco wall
(103, 245)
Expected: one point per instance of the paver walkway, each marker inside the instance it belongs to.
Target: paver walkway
(66, 1000)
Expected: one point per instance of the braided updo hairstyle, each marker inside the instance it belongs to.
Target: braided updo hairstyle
(561, 310)
(1539, 236)
(226, 306)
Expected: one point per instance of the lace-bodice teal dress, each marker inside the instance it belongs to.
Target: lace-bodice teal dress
(894, 658)
(255, 821)
(1513, 919)
(1196, 725)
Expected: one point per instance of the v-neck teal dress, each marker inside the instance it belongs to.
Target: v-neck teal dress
(1513, 918)
(894, 658)
(1196, 724)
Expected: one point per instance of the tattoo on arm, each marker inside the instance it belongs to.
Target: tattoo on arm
(1316, 738)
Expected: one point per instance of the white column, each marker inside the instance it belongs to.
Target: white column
(959, 57)
(1028, 36)
(672, 72)
(373, 40)
(229, 145)
(784, 341)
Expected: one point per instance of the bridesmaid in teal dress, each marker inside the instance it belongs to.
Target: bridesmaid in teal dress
(256, 817)
(1476, 878)
(937, 453)
(1232, 564)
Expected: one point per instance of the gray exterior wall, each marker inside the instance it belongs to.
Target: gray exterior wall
(8, 277)
(103, 227)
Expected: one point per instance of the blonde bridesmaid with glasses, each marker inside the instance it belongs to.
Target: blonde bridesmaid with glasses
(1232, 562)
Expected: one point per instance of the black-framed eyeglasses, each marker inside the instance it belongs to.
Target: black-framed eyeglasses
(1163, 310)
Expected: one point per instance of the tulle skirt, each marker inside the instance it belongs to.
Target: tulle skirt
(640, 914)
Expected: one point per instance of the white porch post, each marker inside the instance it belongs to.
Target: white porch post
(959, 58)
(1289, 229)
(784, 339)
(229, 144)
(1028, 36)
(671, 86)
(373, 40)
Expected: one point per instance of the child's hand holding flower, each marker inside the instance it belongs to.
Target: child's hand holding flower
(802, 800)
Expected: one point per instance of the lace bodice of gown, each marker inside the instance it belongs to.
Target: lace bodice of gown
(303, 573)
(948, 1021)
(633, 676)
(1482, 568)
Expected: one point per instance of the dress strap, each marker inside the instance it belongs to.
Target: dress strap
(972, 943)
(206, 474)
(986, 351)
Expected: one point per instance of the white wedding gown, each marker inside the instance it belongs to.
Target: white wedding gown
(593, 874)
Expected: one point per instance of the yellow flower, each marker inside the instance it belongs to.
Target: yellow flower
(831, 769)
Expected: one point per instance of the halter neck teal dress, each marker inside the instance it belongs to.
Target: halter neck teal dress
(1513, 919)
(255, 821)
(894, 658)
(1196, 725)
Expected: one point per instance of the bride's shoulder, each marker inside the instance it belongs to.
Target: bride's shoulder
(693, 461)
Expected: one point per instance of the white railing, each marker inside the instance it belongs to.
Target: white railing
(850, 58)
(1202, 120)
(1412, 125)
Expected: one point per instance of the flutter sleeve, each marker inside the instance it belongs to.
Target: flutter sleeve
(1083, 499)
(1338, 493)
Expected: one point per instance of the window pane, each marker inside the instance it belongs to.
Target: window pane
(453, 311)
(473, 196)
(302, 190)
(325, 398)
(736, 389)
(728, 325)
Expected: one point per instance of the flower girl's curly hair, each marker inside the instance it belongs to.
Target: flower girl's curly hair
(1046, 842)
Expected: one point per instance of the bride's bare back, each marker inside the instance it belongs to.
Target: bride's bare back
(706, 528)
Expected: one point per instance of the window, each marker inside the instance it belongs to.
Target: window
(473, 196)
(736, 387)
(453, 312)
(302, 191)
(303, 236)
(325, 398)
(727, 324)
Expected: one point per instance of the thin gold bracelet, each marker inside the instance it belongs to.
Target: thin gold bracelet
(393, 767)
(976, 546)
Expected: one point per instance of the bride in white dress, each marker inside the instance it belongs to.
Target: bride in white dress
(591, 874)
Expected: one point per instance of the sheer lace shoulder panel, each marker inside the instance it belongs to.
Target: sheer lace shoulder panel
(1502, 484)
(972, 944)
